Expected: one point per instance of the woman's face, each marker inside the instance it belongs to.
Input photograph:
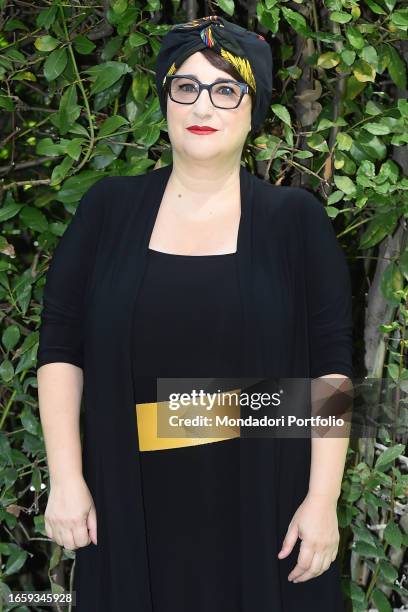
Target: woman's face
(232, 124)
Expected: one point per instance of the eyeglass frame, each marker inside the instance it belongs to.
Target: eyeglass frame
(244, 87)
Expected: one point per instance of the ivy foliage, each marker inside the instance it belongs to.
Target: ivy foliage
(78, 102)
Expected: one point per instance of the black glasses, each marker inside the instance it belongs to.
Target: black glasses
(224, 93)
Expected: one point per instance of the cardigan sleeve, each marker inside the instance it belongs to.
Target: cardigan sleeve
(61, 324)
(329, 297)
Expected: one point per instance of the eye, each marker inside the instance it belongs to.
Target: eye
(225, 90)
(187, 87)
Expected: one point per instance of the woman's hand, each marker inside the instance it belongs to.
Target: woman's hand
(315, 523)
(70, 515)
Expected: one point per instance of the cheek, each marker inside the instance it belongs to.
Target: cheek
(239, 122)
(176, 115)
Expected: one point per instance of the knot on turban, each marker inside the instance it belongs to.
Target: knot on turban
(246, 51)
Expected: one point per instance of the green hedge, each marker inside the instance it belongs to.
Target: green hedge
(78, 102)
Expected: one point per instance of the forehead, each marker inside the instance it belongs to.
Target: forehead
(197, 65)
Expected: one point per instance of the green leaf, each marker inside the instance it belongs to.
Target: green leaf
(391, 281)
(378, 129)
(7, 103)
(14, 24)
(393, 535)
(368, 550)
(36, 479)
(340, 17)
(34, 218)
(60, 172)
(363, 71)
(111, 125)
(380, 226)
(296, 21)
(69, 110)
(388, 456)
(46, 17)
(376, 8)
(400, 18)
(227, 6)
(15, 561)
(147, 135)
(388, 571)
(106, 74)
(55, 64)
(83, 45)
(380, 601)
(282, 112)
(6, 370)
(344, 141)
(75, 186)
(356, 593)
(11, 336)
(109, 95)
(136, 39)
(112, 47)
(318, 142)
(389, 171)
(270, 19)
(140, 87)
(348, 56)
(73, 148)
(355, 38)
(397, 68)
(30, 422)
(344, 183)
(120, 6)
(328, 59)
(403, 264)
(46, 43)
(46, 146)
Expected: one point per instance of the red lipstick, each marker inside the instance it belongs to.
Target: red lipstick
(201, 129)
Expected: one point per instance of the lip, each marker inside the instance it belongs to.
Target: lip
(204, 129)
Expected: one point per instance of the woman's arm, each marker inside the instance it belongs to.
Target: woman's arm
(330, 444)
(70, 517)
(329, 303)
(59, 394)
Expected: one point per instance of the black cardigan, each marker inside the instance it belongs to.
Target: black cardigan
(296, 295)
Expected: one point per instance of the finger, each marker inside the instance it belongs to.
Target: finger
(61, 537)
(48, 528)
(314, 568)
(289, 541)
(92, 525)
(58, 536)
(304, 560)
(68, 539)
(81, 536)
(325, 564)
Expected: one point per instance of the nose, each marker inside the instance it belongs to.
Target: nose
(203, 103)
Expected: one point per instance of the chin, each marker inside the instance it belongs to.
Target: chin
(202, 156)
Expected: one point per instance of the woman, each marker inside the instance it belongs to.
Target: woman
(196, 269)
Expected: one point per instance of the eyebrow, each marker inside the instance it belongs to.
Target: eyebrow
(220, 79)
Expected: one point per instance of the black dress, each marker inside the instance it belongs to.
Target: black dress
(297, 305)
(187, 324)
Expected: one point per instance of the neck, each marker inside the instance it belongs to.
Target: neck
(204, 178)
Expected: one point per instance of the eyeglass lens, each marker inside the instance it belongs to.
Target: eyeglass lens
(224, 95)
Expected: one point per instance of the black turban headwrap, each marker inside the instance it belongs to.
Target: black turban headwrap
(247, 51)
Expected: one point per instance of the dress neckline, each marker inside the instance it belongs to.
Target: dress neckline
(181, 256)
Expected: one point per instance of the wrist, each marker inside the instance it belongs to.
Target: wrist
(65, 479)
(323, 496)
